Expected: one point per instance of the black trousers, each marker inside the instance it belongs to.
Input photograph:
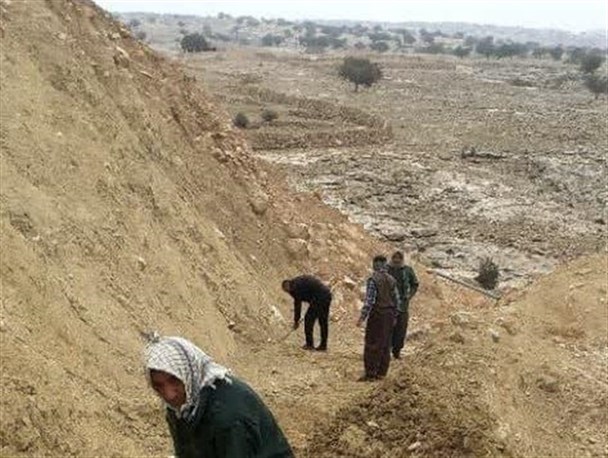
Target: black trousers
(400, 331)
(320, 312)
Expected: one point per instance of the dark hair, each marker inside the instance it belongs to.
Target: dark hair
(397, 254)
(379, 259)
(285, 284)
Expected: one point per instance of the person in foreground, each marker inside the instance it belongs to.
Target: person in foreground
(210, 412)
(379, 309)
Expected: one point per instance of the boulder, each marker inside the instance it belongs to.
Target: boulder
(463, 320)
(121, 57)
(424, 232)
(298, 231)
(259, 203)
(547, 383)
(297, 249)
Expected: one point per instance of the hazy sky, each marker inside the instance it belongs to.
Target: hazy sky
(576, 15)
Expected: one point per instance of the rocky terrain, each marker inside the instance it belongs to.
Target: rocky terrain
(454, 162)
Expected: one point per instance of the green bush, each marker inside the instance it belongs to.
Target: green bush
(194, 42)
(597, 84)
(360, 71)
(380, 46)
(269, 115)
(461, 51)
(487, 274)
(241, 120)
(591, 62)
(272, 40)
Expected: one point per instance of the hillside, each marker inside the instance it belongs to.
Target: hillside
(129, 203)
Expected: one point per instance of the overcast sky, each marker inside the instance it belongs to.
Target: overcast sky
(575, 15)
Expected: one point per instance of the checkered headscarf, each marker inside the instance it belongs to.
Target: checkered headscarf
(185, 361)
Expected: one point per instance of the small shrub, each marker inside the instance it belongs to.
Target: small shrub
(269, 115)
(241, 121)
(597, 84)
(461, 51)
(379, 46)
(195, 42)
(591, 62)
(360, 71)
(272, 40)
(487, 275)
(556, 52)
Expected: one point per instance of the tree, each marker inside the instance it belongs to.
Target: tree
(556, 52)
(380, 46)
(510, 49)
(272, 40)
(241, 120)
(359, 30)
(470, 41)
(134, 23)
(141, 35)
(408, 38)
(360, 71)
(461, 51)
(591, 62)
(380, 36)
(433, 48)
(597, 84)
(487, 274)
(269, 115)
(540, 52)
(315, 44)
(485, 47)
(576, 55)
(337, 43)
(426, 36)
(195, 42)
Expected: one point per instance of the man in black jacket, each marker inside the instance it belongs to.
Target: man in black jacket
(307, 288)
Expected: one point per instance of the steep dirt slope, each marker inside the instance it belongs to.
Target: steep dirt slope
(128, 203)
(525, 378)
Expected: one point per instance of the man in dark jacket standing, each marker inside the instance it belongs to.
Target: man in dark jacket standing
(307, 288)
(407, 284)
(379, 310)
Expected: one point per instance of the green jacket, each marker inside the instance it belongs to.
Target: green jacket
(407, 284)
(231, 422)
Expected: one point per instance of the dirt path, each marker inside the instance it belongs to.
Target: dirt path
(306, 388)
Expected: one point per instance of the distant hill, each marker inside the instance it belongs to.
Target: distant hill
(165, 32)
(546, 37)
